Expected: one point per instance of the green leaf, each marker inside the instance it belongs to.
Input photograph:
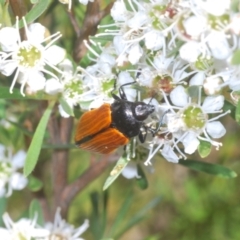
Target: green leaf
(209, 168)
(236, 58)
(36, 144)
(35, 210)
(34, 184)
(121, 164)
(35, 12)
(204, 148)
(66, 107)
(237, 113)
(141, 180)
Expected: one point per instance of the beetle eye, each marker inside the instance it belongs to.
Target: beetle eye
(142, 111)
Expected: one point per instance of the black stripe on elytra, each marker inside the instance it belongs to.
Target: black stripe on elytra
(89, 137)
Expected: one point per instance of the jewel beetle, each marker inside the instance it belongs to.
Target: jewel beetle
(104, 129)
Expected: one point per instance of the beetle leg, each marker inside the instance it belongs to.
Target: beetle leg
(160, 123)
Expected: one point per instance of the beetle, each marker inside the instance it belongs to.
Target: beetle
(104, 129)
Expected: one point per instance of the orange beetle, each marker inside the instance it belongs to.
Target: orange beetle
(104, 129)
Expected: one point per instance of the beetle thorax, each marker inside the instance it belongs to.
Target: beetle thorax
(128, 117)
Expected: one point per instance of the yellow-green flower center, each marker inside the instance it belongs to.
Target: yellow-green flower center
(74, 88)
(155, 14)
(203, 63)
(57, 236)
(29, 56)
(217, 21)
(194, 118)
(21, 236)
(5, 170)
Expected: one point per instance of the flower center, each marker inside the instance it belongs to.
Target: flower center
(155, 14)
(21, 236)
(217, 22)
(73, 88)
(203, 63)
(28, 55)
(57, 236)
(194, 118)
(164, 83)
(5, 170)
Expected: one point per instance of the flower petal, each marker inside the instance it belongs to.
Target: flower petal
(215, 129)
(54, 54)
(190, 143)
(212, 103)
(8, 39)
(18, 181)
(36, 81)
(53, 86)
(36, 32)
(179, 96)
(168, 153)
(18, 159)
(130, 171)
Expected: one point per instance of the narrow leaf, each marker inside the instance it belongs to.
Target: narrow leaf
(237, 113)
(36, 11)
(35, 211)
(204, 148)
(121, 164)
(209, 168)
(36, 144)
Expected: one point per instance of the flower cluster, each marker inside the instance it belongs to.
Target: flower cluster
(28, 229)
(182, 53)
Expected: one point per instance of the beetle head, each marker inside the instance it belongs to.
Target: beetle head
(142, 110)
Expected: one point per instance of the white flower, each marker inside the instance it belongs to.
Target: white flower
(194, 116)
(29, 57)
(23, 229)
(60, 229)
(10, 179)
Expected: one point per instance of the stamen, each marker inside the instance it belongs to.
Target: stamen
(90, 49)
(53, 40)
(219, 116)
(14, 81)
